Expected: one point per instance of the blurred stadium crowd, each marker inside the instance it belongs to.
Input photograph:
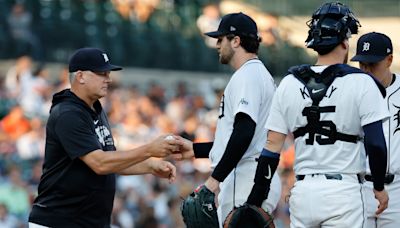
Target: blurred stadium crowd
(163, 34)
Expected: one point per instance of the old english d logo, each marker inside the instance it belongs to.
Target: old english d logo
(396, 117)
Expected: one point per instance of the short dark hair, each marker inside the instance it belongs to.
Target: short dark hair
(250, 44)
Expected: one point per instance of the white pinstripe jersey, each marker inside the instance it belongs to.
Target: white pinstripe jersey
(391, 127)
(357, 102)
(250, 90)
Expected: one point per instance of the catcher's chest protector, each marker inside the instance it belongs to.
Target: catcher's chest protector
(317, 84)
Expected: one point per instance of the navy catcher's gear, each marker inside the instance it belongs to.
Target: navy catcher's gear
(249, 216)
(330, 25)
(317, 85)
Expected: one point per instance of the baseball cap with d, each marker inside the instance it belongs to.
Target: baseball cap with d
(237, 24)
(373, 47)
(92, 59)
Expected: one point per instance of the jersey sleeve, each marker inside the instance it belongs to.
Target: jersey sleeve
(276, 120)
(76, 134)
(372, 104)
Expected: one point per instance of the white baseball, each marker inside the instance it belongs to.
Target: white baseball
(169, 137)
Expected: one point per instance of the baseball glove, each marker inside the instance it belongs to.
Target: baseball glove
(199, 210)
(249, 215)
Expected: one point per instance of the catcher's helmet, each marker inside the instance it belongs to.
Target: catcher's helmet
(330, 25)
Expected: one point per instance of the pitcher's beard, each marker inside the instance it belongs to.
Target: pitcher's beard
(226, 58)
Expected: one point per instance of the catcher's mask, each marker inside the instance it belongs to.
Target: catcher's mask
(329, 26)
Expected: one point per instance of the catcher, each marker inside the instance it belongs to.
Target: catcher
(240, 131)
(330, 132)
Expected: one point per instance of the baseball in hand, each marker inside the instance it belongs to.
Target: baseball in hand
(169, 137)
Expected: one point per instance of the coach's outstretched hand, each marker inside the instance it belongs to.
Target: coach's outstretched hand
(163, 169)
(164, 146)
(383, 199)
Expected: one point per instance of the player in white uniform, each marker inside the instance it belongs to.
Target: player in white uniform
(328, 119)
(240, 133)
(375, 54)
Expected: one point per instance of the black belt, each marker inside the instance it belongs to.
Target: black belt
(388, 178)
(329, 177)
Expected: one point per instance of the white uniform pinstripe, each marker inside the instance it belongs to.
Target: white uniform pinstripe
(389, 217)
(250, 91)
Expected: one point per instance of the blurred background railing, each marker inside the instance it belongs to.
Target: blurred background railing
(150, 34)
(162, 34)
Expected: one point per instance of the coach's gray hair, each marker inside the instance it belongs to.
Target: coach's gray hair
(72, 77)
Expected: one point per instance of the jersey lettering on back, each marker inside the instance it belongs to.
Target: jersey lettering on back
(329, 92)
(303, 92)
(318, 85)
(313, 116)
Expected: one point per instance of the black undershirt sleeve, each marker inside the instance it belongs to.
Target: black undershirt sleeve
(375, 146)
(267, 164)
(242, 134)
(202, 150)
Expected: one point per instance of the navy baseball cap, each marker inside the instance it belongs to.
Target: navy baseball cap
(373, 47)
(237, 24)
(92, 59)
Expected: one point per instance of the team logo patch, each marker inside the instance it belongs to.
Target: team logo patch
(243, 101)
(396, 117)
(316, 90)
(105, 57)
(104, 136)
(268, 177)
(366, 46)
